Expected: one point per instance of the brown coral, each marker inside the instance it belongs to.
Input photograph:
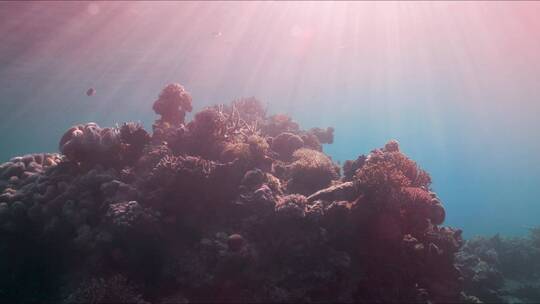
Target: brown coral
(286, 143)
(384, 172)
(310, 172)
(173, 103)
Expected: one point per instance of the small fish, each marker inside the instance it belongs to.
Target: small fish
(91, 92)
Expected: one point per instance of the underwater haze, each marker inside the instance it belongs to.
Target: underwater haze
(456, 83)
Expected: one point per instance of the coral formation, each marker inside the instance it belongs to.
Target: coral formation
(111, 290)
(502, 270)
(173, 103)
(90, 144)
(310, 171)
(286, 143)
(324, 136)
(232, 206)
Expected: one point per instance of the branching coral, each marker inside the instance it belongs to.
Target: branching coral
(249, 109)
(133, 138)
(388, 170)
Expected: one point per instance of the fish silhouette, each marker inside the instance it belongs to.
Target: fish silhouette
(91, 92)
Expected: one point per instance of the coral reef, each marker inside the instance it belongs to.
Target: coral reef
(232, 206)
(111, 290)
(502, 270)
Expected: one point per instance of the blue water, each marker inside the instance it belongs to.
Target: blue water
(476, 135)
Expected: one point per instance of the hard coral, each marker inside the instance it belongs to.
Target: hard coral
(233, 151)
(249, 109)
(350, 167)
(127, 215)
(115, 289)
(419, 203)
(251, 153)
(311, 141)
(292, 206)
(310, 172)
(385, 171)
(90, 144)
(86, 142)
(259, 149)
(324, 136)
(286, 143)
(208, 124)
(392, 146)
(134, 138)
(206, 134)
(173, 103)
(279, 123)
